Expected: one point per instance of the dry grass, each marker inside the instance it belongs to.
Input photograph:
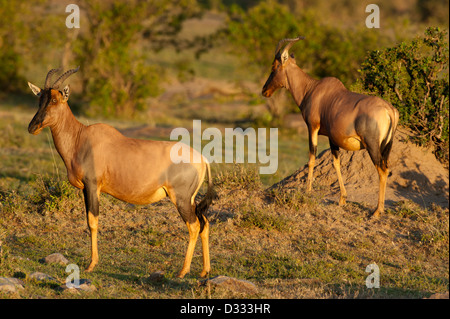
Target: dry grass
(290, 243)
(308, 242)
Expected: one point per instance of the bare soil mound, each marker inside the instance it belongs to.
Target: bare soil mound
(416, 175)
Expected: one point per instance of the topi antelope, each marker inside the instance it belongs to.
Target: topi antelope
(100, 159)
(351, 121)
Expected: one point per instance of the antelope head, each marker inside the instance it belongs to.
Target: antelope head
(277, 78)
(50, 101)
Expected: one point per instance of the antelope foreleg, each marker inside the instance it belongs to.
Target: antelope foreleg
(337, 167)
(93, 227)
(313, 133)
(92, 210)
(311, 163)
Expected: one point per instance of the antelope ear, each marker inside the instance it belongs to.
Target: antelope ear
(284, 57)
(36, 90)
(66, 93)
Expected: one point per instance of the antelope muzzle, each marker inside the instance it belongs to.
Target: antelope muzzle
(268, 88)
(35, 127)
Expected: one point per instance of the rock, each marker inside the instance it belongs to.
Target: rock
(14, 281)
(10, 284)
(411, 167)
(236, 285)
(7, 287)
(55, 258)
(83, 285)
(157, 276)
(439, 296)
(86, 285)
(40, 276)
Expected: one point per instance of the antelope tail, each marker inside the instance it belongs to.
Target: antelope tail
(202, 207)
(386, 144)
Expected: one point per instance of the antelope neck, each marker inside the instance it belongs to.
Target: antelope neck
(299, 83)
(66, 133)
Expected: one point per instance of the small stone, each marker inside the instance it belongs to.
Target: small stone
(237, 285)
(10, 284)
(157, 276)
(439, 296)
(55, 258)
(14, 281)
(86, 285)
(6, 287)
(40, 276)
(83, 285)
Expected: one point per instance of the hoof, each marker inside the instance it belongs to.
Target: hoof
(90, 268)
(204, 274)
(375, 215)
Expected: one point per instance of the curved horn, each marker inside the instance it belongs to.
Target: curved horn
(49, 76)
(287, 47)
(63, 77)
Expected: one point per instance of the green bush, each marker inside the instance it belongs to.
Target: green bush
(413, 77)
(114, 51)
(115, 78)
(326, 50)
(10, 59)
(53, 195)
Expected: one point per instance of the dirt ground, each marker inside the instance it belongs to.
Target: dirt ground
(415, 175)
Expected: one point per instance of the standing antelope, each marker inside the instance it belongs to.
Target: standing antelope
(351, 121)
(100, 159)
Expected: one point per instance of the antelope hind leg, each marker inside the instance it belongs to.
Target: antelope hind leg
(383, 174)
(194, 230)
(205, 247)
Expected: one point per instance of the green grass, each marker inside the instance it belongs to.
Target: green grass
(250, 239)
(290, 243)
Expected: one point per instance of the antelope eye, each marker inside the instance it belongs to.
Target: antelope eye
(54, 101)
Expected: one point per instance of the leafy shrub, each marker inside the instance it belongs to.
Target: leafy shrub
(10, 59)
(413, 77)
(113, 72)
(113, 50)
(10, 80)
(54, 195)
(326, 50)
(11, 202)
